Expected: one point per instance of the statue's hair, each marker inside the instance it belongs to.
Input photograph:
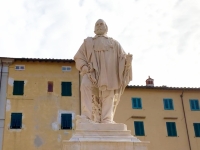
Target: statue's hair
(104, 23)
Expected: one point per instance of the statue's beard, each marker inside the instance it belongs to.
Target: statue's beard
(100, 31)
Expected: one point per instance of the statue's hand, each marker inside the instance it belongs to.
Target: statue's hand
(90, 67)
(84, 69)
(129, 58)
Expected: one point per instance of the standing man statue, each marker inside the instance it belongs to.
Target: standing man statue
(106, 71)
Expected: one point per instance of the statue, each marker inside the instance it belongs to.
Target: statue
(106, 71)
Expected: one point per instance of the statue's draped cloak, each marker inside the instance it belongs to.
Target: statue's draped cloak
(107, 58)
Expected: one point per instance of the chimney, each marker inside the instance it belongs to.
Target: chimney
(149, 82)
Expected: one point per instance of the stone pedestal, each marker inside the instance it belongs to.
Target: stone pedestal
(102, 136)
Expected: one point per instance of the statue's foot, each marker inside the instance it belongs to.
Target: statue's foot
(83, 119)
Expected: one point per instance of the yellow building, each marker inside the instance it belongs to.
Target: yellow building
(168, 117)
(43, 98)
(42, 102)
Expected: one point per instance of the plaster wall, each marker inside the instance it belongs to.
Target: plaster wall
(155, 117)
(41, 110)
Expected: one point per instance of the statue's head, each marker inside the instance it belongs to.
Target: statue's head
(100, 27)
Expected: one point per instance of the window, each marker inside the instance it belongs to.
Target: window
(66, 68)
(171, 128)
(50, 86)
(18, 88)
(66, 89)
(197, 129)
(168, 104)
(139, 128)
(19, 67)
(16, 121)
(136, 103)
(194, 104)
(66, 121)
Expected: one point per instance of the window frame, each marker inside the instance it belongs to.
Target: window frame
(68, 125)
(16, 118)
(19, 67)
(64, 87)
(196, 129)
(167, 101)
(66, 68)
(192, 102)
(136, 103)
(171, 129)
(139, 128)
(50, 86)
(18, 87)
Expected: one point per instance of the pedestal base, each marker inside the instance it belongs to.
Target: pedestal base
(102, 136)
(98, 145)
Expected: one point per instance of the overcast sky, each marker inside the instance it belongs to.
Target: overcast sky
(162, 35)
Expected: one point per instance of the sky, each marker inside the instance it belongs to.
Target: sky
(162, 35)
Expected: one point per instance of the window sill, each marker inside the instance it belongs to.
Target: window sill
(170, 118)
(139, 117)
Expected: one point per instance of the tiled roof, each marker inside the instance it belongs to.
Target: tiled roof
(162, 87)
(41, 59)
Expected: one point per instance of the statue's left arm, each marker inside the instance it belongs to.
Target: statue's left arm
(125, 66)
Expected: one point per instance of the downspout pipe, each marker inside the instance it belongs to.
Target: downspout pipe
(79, 88)
(185, 120)
(1, 74)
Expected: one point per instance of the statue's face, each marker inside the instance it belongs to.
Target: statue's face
(100, 27)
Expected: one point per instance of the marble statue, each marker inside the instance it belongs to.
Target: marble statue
(106, 70)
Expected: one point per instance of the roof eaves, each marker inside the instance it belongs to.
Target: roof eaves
(163, 87)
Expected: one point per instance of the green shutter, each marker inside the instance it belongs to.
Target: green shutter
(168, 129)
(133, 103)
(139, 128)
(171, 128)
(194, 105)
(18, 88)
(66, 89)
(165, 104)
(16, 121)
(197, 104)
(136, 103)
(197, 129)
(66, 121)
(139, 103)
(170, 104)
(174, 129)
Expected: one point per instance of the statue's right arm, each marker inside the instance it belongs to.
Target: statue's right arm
(80, 57)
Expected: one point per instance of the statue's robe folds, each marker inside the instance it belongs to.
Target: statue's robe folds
(108, 61)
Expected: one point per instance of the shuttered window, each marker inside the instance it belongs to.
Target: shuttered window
(66, 89)
(50, 86)
(139, 128)
(194, 105)
(168, 104)
(66, 121)
(18, 88)
(197, 129)
(16, 121)
(136, 103)
(171, 128)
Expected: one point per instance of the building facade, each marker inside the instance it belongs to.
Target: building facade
(42, 102)
(167, 117)
(41, 97)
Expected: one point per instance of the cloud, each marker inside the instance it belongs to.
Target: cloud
(163, 36)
